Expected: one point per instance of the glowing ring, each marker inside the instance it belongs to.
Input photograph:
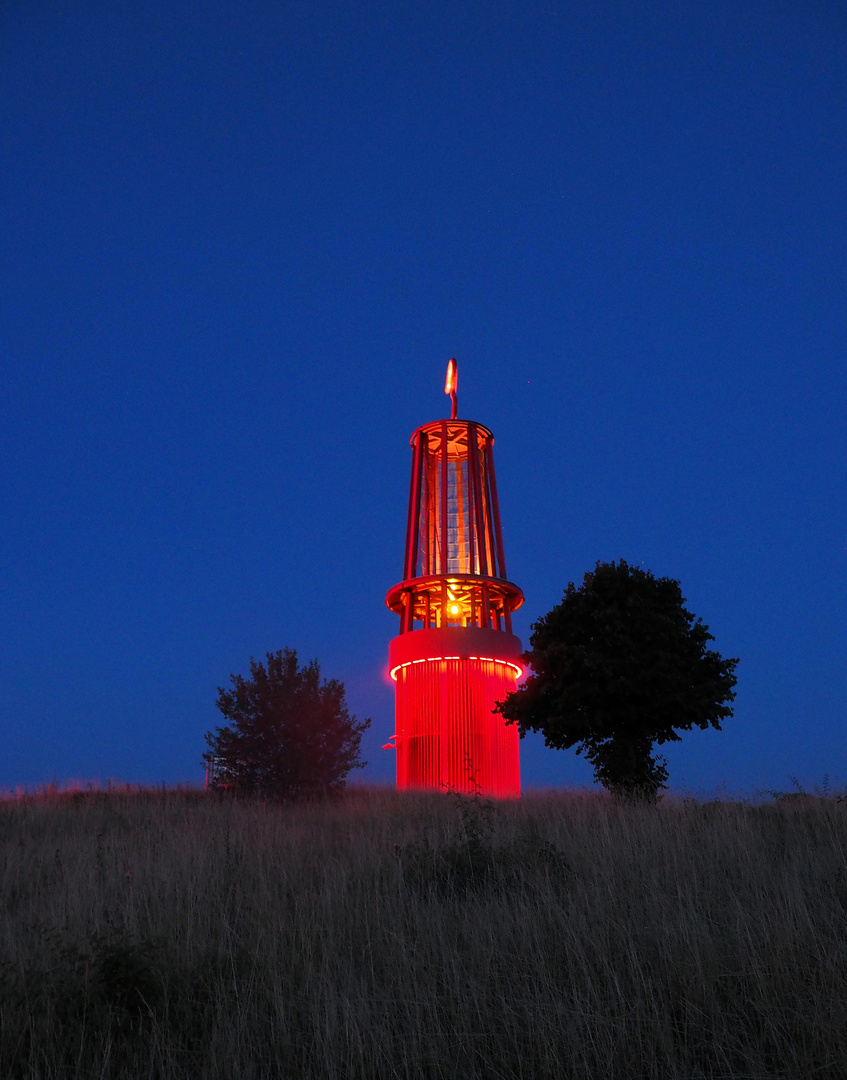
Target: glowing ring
(434, 659)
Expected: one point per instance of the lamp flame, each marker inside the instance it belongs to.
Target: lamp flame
(452, 377)
(451, 385)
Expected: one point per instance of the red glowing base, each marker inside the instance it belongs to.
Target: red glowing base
(448, 738)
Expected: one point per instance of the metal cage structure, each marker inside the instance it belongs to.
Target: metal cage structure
(455, 654)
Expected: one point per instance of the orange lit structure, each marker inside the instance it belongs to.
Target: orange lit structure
(455, 655)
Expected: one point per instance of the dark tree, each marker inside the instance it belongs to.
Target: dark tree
(620, 665)
(288, 735)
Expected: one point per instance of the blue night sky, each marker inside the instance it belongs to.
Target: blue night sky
(238, 243)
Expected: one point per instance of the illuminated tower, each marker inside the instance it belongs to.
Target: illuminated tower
(455, 655)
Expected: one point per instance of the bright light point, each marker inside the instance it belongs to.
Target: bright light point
(455, 609)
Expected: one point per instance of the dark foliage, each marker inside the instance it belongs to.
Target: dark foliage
(289, 734)
(620, 665)
(108, 989)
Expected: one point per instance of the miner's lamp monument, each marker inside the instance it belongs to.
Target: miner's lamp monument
(455, 654)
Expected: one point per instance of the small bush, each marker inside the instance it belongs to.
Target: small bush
(475, 861)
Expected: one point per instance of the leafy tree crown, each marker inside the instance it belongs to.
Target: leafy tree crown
(620, 664)
(288, 734)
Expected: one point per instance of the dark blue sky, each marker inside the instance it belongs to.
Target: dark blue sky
(238, 243)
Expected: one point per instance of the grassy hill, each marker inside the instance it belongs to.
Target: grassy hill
(179, 934)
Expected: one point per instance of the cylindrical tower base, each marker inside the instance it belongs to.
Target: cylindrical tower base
(448, 737)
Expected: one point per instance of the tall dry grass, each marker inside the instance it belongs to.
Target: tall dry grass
(178, 935)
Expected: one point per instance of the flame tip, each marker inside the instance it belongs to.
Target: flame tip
(452, 376)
